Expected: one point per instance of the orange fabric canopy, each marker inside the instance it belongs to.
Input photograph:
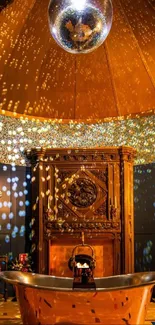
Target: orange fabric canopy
(38, 78)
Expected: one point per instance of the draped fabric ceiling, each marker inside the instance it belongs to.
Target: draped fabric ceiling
(38, 78)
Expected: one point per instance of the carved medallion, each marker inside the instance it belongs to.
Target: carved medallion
(82, 193)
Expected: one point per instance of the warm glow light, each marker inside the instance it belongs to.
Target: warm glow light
(54, 31)
(78, 4)
(82, 266)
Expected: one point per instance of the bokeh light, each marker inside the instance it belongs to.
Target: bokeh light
(7, 238)
(4, 216)
(11, 215)
(114, 132)
(8, 226)
(15, 184)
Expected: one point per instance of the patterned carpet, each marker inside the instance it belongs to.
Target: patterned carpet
(9, 313)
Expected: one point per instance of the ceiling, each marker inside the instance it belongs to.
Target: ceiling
(37, 78)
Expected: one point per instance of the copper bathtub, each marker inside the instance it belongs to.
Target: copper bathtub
(51, 300)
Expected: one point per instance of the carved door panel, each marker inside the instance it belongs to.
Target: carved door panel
(83, 198)
(83, 194)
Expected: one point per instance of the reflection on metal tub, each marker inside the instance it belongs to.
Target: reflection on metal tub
(44, 299)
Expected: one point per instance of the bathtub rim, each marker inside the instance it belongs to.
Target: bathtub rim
(17, 282)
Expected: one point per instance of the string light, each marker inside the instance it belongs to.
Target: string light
(136, 132)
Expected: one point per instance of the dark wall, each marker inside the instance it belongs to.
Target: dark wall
(144, 206)
(15, 210)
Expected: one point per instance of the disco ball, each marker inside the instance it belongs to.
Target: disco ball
(80, 26)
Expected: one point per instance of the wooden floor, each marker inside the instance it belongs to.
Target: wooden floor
(9, 313)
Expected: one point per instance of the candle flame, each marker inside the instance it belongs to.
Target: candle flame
(82, 266)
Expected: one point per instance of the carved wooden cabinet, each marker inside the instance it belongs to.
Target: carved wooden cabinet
(82, 190)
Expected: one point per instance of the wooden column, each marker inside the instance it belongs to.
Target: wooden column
(38, 203)
(127, 211)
